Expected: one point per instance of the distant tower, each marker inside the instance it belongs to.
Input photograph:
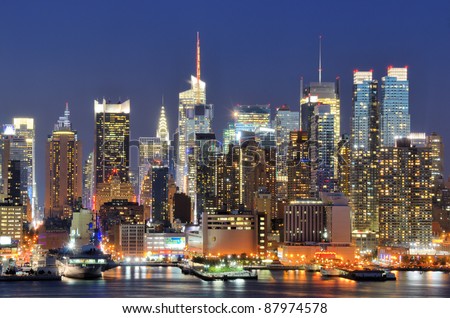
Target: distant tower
(64, 169)
(188, 100)
(163, 134)
(112, 140)
(364, 146)
(23, 150)
(395, 118)
(163, 131)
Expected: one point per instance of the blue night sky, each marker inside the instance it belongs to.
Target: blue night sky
(252, 52)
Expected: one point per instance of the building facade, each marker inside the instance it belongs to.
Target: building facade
(63, 169)
(395, 120)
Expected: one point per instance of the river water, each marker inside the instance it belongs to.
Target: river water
(170, 282)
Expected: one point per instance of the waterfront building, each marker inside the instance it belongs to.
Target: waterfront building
(112, 141)
(364, 146)
(63, 169)
(395, 119)
(405, 195)
(317, 229)
(318, 220)
(131, 238)
(225, 233)
(160, 246)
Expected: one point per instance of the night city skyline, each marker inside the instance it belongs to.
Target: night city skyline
(257, 59)
(257, 150)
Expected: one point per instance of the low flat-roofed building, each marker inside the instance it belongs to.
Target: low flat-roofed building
(225, 233)
(132, 240)
(164, 245)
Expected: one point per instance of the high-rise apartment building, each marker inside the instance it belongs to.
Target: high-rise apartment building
(405, 195)
(364, 146)
(63, 169)
(394, 98)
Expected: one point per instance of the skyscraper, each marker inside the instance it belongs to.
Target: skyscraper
(248, 118)
(186, 111)
(405, 195)
(364, 146)
(395, 119)
(285, 122)
(320, 116)
(163, 134)
(23, 150)
(63, 169)
(89, 182)
(434, 141)
(112, 140)
(322, 93)
(160, 179)
(202, 174)
(323, 150)
(298, 167)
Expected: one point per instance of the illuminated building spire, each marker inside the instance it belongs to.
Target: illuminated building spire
(163, 131)
(64, 121)
(198, 68)
(320, 59)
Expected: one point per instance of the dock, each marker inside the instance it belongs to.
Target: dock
(224, 276)
(150, 264)
(29, 278)
(206, 276)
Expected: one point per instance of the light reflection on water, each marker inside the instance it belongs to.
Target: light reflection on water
(141, 281)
